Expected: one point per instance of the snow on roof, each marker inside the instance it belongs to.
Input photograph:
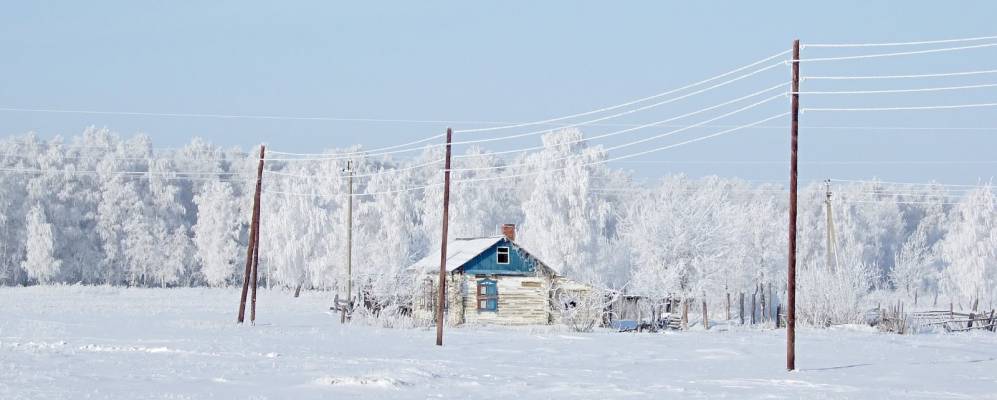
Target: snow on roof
(459, 252)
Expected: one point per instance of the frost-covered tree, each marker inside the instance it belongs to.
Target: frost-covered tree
(970, 247)
(564, 220)
(911, 265)
(216, 233)
(40, 263)
(679, 238)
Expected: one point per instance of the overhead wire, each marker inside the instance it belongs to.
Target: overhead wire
(931, 89)
(396, 149)
(902, 108)
(668, 101)
(542, 171)
(896, 54)
(923, 42)
(629, 103)
(643, 140)
(638, 127)
(913, 76)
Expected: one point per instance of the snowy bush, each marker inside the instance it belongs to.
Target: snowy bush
(581, 310)
(832, 295)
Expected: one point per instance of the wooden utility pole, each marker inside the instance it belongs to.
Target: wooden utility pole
(793, 175)
(442, 298)
(254, 226)
(256, 264)
(832, 250)
(349, 242)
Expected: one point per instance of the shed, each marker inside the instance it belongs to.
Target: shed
(490, 280)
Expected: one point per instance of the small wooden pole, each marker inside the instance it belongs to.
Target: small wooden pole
(253, 227)
(753, 306)
(442, 298)
(728, 306)
(706, 314)
(685, 313)
(764, 316)
(793, 175)
(740, 307)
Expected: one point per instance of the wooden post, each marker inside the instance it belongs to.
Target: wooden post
(253, 227)
(778, 316)
(706, 314)
(763, 314)
(753, 306)
(793, 174)
(740, 307)
(685, 313)
(442, 298)
(728, 306)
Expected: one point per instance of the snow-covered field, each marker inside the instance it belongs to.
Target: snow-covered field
(98, 342)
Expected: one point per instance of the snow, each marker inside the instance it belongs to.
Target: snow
(62, 342)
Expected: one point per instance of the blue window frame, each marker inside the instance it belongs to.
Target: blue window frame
(487, 295)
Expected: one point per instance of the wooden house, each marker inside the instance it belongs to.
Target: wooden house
(490, 280)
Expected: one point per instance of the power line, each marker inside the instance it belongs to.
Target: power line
(641, 100)
(931, 89)
(638, 127)
(138, 174)
(367, 175)
(905, 53)
(943, 74)
(971, 39)
(534, 133)
(939, 107)
(671, 100)
(345, 155)
(877, 162)
(628, 144)
(537, 172)
(623, 157)
(908, 183)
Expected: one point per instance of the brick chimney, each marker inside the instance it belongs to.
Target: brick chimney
(509, 231)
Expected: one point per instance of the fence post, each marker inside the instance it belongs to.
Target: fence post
(685, 313)
(706, 315)
(741, 307)
(728, 306)
(753, 306)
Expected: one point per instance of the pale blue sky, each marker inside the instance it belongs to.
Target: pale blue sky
(495, 61)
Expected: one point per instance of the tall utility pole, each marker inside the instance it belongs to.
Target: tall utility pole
(254, 227)
(832, 250)
(349, 240)
(793, 174)
(256, 265)
(442, 298)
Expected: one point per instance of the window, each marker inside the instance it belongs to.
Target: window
(487, 295)
(502, 255)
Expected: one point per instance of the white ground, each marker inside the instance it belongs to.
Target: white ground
(76, 342)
